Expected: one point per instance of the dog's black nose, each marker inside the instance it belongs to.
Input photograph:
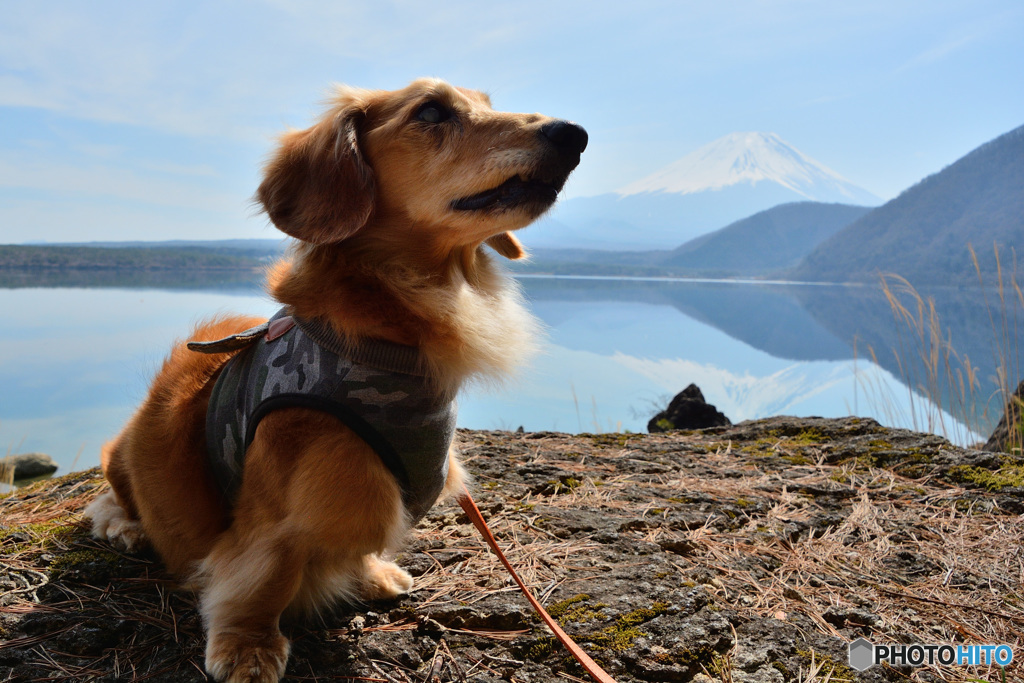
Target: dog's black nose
(566, 135)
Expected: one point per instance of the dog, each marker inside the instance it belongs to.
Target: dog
(391, 197)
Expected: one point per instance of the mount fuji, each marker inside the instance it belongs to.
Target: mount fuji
(731, 178)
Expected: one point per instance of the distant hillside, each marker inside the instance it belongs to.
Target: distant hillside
(763, 244)
(768, 241)
(594, 262)
(260, 246)
(60, 257)
(923, 234)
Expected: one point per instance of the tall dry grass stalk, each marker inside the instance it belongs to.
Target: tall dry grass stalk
(6, 477)
(943, 384)
(1006, 342)
(6, 474)
(576, 403)
(947, 395)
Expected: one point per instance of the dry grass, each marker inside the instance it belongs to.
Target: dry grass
(946, 394)
(42, 533)
(943, 385)
(928, 561)
(964, 583)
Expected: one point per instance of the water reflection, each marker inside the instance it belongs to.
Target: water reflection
(75, 359)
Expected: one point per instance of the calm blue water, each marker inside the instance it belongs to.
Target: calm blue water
(75, 362)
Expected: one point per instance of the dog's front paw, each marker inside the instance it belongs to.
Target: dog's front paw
(384, 580)
(239, 658)
(127, 534)
(111, 523)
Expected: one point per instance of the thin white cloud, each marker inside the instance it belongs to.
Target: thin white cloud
(936, 53)
(645, 79)
(134, 69)
(221, 73)
(111, 182)
(92, 219)
(213, 71)
(189, 170)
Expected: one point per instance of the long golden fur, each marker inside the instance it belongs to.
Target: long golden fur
(391, 196)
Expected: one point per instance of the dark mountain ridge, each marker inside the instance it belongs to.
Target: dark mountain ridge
(924, 234)
(768, 241)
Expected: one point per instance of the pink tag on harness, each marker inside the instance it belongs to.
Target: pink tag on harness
(279, 327)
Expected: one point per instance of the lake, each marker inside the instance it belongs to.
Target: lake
(76, 358)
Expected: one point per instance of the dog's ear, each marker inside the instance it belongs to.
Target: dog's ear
(318, 187)
(507, 245)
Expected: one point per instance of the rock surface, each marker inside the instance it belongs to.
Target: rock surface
(751, 553)
(28, 465)
(688, 410)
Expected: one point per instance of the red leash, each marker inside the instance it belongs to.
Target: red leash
(591, 667)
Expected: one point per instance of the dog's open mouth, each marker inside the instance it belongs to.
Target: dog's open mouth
(513, 193)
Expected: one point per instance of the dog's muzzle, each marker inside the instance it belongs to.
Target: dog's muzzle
(564, 142)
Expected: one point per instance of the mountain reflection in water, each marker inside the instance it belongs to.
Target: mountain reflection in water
(76, 356)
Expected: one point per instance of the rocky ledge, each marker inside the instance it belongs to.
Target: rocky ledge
(754, 552)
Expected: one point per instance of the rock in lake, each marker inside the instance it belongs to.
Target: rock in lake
(28, 465)
(688, 410)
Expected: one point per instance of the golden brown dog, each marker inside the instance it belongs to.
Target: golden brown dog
(391, 196)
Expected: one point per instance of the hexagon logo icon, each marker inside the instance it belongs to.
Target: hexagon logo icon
(862, 654)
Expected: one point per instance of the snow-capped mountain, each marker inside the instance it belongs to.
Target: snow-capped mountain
(751, 158)
(731, 178)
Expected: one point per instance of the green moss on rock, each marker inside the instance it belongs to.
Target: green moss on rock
(993, 480)
(540, 649)
(830, 668)
(616, 638)
(70, 561)
(621, 635)
(611, 439)
(639, 616)
(577, 609)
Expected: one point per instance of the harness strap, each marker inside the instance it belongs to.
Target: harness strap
(591, 667)
(232, 343)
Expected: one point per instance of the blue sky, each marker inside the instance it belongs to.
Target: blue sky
(129, 120)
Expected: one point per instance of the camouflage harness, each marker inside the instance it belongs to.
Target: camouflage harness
(375, 388)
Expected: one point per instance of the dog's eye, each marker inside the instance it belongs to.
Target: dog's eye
(433, 112)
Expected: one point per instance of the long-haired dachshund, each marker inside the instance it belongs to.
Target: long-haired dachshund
(341, 408)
